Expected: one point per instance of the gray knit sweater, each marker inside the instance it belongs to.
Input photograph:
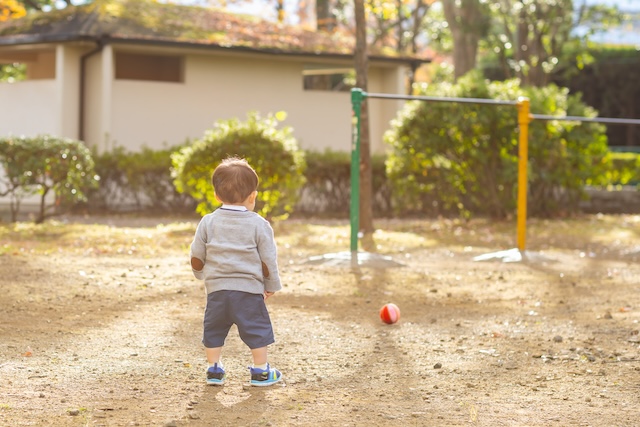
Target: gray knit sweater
(233, 245)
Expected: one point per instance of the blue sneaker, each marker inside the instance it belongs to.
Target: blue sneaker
(264, 377)
(215, 375)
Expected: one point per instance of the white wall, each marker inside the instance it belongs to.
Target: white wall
(159, 114)
(28, 108)
(156, 114)
(93, 127)
(382, 111)
(68, 89)
(137, 113)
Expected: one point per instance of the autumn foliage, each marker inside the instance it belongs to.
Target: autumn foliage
(11, 9)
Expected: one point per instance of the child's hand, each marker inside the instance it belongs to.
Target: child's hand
(268, 294)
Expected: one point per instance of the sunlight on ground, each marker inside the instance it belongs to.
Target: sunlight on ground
(229, 400)
(310, 237)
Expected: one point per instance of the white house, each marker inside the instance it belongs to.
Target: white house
(132, 73)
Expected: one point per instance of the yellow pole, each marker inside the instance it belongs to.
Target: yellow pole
(523, 155)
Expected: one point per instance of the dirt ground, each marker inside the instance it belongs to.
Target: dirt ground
(100, 325)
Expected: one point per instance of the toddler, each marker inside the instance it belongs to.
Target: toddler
(234, 252)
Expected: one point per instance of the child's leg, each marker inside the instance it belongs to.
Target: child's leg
(259, 356)
(262, 374)
(215, 372)
(213, 355)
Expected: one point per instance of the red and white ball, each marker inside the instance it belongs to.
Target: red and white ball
(390, 313)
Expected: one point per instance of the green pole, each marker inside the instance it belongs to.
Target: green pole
(357, 96)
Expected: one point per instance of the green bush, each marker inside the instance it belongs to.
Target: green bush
(139, 181)
(451, 158)
(272, 152)
(327, 191)
(112, 182)
(45, 165)
(564, 157)
(625, 169)
(605, 84)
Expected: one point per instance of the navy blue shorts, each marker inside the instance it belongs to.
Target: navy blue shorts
(247, 311)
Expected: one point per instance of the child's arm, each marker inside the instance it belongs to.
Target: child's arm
(265, 273)
(268, 256)
(198, 265)
(198, 252)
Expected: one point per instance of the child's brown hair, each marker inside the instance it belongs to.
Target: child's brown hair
(234, 180)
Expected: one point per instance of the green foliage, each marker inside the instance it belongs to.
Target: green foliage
(327, 191)
(12, 72)
(451, 158)
(38, 4)
(43, 165)
(533, 39)
(563, 156)
(137, 181)
(272, 152)
(624, 170)
(606, 85)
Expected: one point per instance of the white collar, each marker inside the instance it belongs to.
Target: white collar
(235, 208)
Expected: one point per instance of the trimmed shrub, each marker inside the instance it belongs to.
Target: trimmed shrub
(327, 191)
(137, 181)
(272, 152)
(46, 165)
(451, 158)
(625, 169)
(606, 84)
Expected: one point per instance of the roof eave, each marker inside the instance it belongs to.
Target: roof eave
(63, 38)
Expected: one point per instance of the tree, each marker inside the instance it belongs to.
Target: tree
(606, 86)
(395, 27)
(11, 9)
(361, 66)
(325, 18)
(399, 26)
(45, 166)
(468, 22)
(527, 38)
(40, 4)
(530, 39)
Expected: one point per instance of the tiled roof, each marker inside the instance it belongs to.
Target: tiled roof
(152, 22)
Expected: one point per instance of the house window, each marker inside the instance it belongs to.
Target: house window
(34, 65)
(157, 68)
(329, 79)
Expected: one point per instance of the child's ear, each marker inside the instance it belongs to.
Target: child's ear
(217, 198)
(252, 197)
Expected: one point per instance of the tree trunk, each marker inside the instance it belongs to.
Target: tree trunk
(521, 53)
(361, 65)
(464, 20)
(280, 10)
(325, 20)
(42, 214)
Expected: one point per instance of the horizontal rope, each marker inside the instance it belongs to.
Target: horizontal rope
(438, 99)
(497, 102)
(587, 119)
